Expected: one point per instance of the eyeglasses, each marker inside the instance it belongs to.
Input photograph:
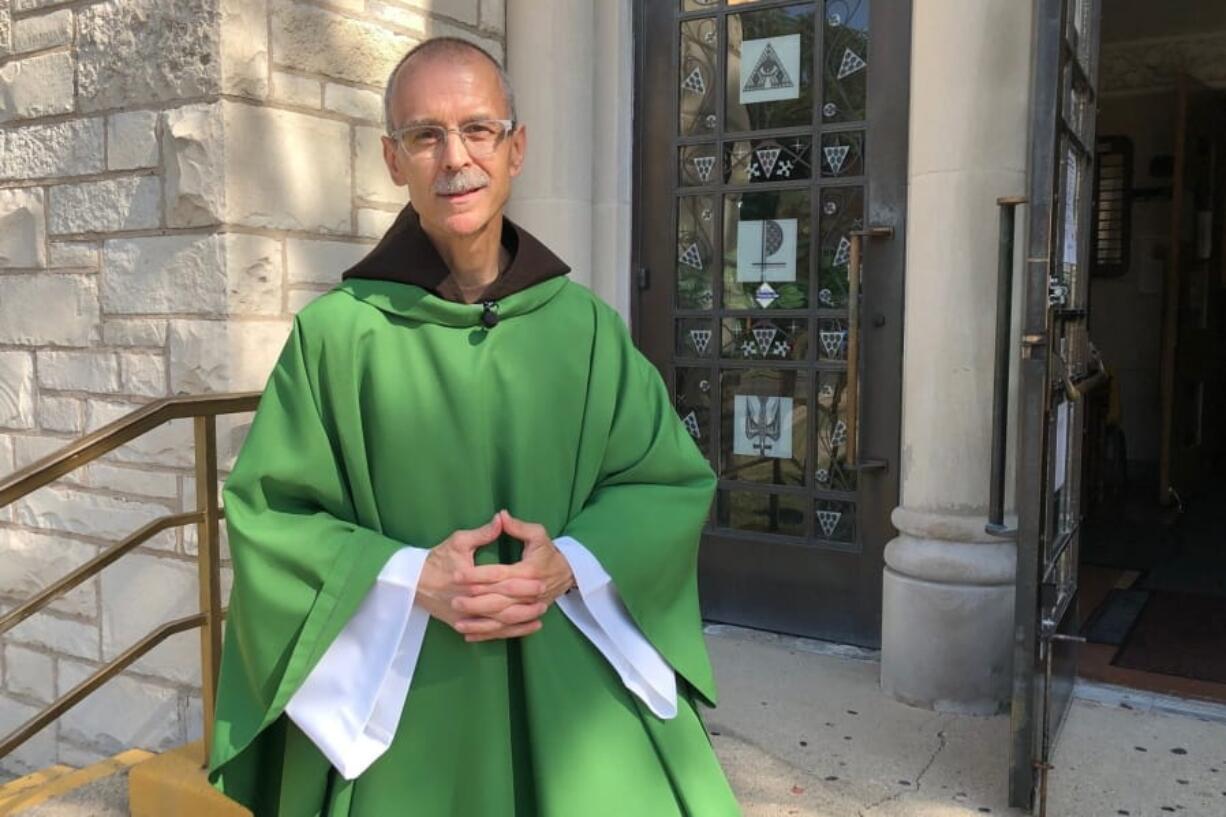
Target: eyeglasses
(481, 137)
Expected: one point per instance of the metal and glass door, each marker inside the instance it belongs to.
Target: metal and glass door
(769, 196)
(1056, 373)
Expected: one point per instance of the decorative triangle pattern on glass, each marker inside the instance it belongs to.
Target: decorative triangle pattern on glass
(767, 158)
(768, 72)
(691, 257)
(852, 62)
(701, 339)
(765, 295)
(691, 425)
(695, 83)
(703, 165)
(842, 253)
(765, 336)
(836, 157)
(829, 521)
(832, 343)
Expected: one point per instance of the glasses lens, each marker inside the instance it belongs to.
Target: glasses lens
(423, 140)
(482, 137)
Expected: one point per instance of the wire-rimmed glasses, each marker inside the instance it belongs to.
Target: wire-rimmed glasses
(480, 137)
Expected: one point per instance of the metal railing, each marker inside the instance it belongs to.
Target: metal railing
(203, 410)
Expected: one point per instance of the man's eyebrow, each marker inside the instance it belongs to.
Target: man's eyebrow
(480, 116)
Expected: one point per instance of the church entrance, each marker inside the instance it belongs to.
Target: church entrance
(770, 190)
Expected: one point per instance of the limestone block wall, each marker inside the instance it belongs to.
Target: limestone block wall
(177, 179)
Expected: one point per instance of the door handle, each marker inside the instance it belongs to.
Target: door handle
(1000, 392)
(854, 262)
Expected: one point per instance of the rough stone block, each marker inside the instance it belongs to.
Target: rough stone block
(140, 481)
(48, 309)
(23, 232)
(374, 223)
(6, 454)
(266, 186)
(295, 90)
(299, 298)
(38, 752)
(17, 390)
(115, 39)
(43, 31)
(74, 511)
(36, 86)
(73, 255)
(169, 444)
(123, 714)
(29, 561)
(373, 183)
(105, 206)
(167, 590)
(321, 262)
(55, 632)
(131, 140)
(244, 47)
(62, 149)
(170, 273)
(134, 332)
(142, 374)
(253, 274)
(414, 19)
(29, 673)
(357, 51)
(193, 151)
(494, 15)
(29, 448)
(78, 371)
(63, 414)
(356, 102)
(212, 356)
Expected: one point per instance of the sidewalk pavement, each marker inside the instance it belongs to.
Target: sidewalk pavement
(803, 729)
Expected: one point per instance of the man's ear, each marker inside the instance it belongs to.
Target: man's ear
(519, 146)
(392, 157)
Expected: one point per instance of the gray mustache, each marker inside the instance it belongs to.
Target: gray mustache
(462, 182)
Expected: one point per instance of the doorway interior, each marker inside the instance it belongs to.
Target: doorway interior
(1153, 557)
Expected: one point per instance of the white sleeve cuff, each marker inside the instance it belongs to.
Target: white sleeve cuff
(596, 608)
(350, 703)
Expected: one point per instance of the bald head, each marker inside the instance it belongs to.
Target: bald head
(442, 48)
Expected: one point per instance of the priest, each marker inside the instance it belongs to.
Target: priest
(464, 524)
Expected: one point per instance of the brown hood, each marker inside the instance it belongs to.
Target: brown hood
(406, 255)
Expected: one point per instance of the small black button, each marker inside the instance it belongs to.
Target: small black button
(489, 315)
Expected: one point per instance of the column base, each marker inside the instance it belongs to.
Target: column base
(947, 615)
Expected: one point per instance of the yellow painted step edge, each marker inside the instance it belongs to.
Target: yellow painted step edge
(73, 780)
(14, 787)
(175, 783)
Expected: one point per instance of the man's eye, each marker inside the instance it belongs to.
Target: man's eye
(480, 131)
(425, 137)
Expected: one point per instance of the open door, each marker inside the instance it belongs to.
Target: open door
(1056, 371)
(1189, 312)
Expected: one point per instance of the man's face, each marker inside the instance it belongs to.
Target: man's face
(454, 193)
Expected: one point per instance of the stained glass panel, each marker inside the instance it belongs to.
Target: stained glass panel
(766, 250)
(696, 165)
(843, 154)
(693, 402)
(752, 161)
(770, 68)
(835, 521)
(696, 337)
(695, 251)
(762, 512)
(764, 425)
(756, 339)
(845, 72)
(699, 39)
(832, 428)
(842, 211)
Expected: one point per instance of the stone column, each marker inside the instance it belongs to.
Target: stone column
(948, 587)
(550, 47)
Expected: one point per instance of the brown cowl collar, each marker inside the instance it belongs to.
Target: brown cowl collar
(406, 255)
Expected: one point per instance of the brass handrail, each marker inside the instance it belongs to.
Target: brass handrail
(203, 410)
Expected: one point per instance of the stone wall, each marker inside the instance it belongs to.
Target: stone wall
(177, 179)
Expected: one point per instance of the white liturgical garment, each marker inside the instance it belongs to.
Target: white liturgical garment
(350, 704)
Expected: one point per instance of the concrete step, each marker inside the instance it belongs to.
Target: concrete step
(98, 790)
(30, 781)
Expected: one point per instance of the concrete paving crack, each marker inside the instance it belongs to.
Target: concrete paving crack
(919, 778)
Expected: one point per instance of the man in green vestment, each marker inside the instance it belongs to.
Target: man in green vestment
(464, 524)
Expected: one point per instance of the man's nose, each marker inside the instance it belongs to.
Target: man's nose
(455, 152)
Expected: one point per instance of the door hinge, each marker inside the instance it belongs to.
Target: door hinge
(643, 278)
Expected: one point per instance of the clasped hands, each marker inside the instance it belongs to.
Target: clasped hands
(486, 602)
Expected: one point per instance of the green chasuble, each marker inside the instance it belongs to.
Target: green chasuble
(394, 417)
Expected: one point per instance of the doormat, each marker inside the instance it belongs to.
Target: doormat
(1111, 622)
(1202, 574)
(1179, 634)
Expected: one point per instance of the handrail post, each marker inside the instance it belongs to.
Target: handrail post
(1000, 395)
(209, 569)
